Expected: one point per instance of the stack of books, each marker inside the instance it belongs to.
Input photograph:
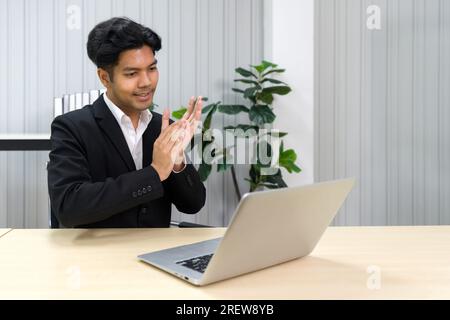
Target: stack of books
(71, 102)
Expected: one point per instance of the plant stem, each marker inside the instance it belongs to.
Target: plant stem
(236, 186)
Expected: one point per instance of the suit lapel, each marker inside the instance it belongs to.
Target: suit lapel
(148, 138)
(112, 130)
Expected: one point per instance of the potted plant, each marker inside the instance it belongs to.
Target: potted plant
(258, 91)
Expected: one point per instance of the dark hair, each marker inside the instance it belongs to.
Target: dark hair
(111, 37)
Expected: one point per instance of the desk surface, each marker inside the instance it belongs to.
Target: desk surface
(3, 232)
(348, 263)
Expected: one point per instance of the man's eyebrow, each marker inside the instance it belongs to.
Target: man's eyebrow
(134, 69)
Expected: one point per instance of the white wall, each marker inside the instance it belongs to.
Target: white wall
(382, 109)
(289, 42)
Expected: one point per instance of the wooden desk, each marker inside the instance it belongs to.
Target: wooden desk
(3, 232)
(413, 263)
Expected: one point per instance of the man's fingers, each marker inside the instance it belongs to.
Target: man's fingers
(190, 107)
(174, 140)
(193, 110)
(196, 115)
(165, 119)
(198, 112)
(174, 146)
(171, 132)
(176, 149)
(177, 142)
(167, 135)
(188, 122)
(198, 104)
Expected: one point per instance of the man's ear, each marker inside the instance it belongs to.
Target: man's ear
(103, 75)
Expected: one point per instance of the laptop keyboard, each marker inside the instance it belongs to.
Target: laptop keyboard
(198, 264)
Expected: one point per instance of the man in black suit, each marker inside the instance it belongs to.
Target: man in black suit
(115, 164)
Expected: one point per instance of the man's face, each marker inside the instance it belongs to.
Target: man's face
(135, 78)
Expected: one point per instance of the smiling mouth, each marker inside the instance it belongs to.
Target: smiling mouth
(144, 94)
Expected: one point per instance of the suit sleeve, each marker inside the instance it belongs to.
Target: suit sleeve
(75, 198)
(185, 190)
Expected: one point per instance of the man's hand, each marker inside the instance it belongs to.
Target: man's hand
(168, 145)
(192, 116)
(174, 139)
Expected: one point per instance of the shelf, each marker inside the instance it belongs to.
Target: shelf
(24, 142)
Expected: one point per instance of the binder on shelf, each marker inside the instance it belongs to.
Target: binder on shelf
(85, 99)
(78, 101)
(71, 102)
(66, 103)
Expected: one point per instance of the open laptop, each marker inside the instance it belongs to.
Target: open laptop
(267, 228)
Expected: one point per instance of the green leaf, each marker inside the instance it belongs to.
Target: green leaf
(264, 66)
(287, 160)
(270, 185)
(275, 81)
(238, 90)
(207, 123)
(281, 90)
(288, 155)
(209, 107)
(255, 173)
(203, 171)
(221, 167)
(269, 64)
(273, 71)
(276, 179)
(232, 109)
(247, 81)
(245, 73)
(277, 134)
(250, 92)
(152, 106)
(265, 97)
(253, 185)
(291, 167)
(243, 127)
(178, 114)
(261, 114)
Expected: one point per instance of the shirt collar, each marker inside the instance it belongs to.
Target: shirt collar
(145, 116)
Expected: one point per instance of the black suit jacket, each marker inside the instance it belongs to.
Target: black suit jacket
(93, 181)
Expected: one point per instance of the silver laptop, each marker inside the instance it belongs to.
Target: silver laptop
(267, 228)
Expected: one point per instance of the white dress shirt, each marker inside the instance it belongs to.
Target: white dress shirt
(132, 136)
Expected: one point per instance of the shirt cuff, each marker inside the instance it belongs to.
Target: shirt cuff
(184, 167)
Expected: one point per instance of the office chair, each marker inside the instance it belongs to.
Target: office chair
(70, 102)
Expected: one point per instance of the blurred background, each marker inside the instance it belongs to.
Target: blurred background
(370, 92)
